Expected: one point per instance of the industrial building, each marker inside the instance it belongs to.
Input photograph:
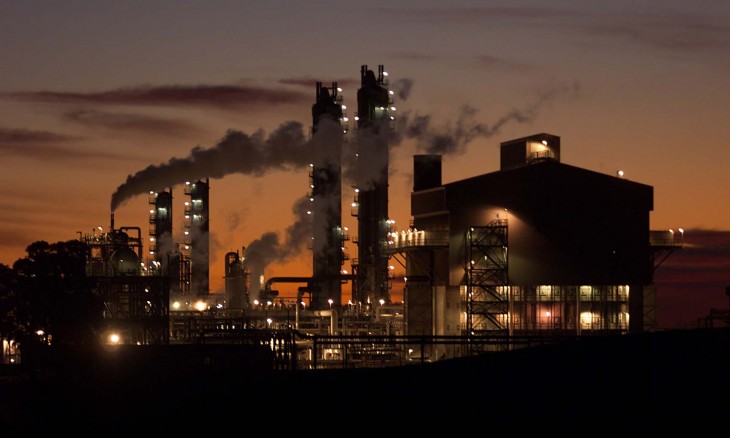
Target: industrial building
(536, 247)
(533, 251)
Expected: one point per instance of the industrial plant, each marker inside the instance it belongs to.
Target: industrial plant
(535, 251)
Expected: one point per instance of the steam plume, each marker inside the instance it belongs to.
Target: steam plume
(236, 152)
(267, 248)
(454, 138)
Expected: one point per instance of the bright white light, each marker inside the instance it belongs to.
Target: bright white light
(114, 338)
(200, 306)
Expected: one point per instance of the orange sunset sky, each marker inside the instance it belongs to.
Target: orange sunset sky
(92, 92)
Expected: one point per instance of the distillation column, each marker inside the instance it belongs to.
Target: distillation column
(373, 124)
(326, 196)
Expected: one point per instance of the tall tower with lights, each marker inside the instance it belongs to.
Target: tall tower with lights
(164, 256)
(197, 236)
(329, 124)
(374, 119)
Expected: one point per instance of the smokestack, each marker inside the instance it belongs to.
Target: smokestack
(111, 226)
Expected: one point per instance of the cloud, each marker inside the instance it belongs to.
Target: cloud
(307, 82)
(45, 145)
(9, 137)
(122, 122)
(216, 96)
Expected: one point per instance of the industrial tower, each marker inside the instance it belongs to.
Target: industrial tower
(326, 195)
(374, 106)
(164, 256)
(197, 236)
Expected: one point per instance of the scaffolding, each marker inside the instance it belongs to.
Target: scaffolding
(486, 288)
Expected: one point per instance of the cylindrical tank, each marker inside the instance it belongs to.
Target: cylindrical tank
(124, 261)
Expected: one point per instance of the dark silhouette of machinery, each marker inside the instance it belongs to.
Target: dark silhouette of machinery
(535, 249)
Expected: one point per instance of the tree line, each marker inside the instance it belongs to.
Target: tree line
(45, 297)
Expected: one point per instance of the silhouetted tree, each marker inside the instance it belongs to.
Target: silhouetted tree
(7, 303)
(50, 293)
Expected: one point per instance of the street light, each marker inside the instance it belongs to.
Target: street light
(330, 301)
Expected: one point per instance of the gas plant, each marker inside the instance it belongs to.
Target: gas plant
(535, 251)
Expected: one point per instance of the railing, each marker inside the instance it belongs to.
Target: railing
(296, 350)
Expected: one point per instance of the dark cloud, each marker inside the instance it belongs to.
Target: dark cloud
(310, 83)
(44, 145)
(10, 137)
(220, 96)
(124, 123)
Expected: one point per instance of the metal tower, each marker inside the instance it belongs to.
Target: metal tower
(328, 239)
(164, 255)
(374, 106)
(196, 235)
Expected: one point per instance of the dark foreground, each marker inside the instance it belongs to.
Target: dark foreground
(674, 381)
